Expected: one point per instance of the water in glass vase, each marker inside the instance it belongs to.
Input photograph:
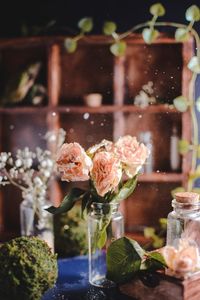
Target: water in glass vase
(105, 224)
(37, 222)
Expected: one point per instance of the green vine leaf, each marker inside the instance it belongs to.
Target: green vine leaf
(126, 190)
(183, 147)
(192, 13)
(181, 103)
(150, 35)
(68, 202)
(196, 174)
(85, 25)
(177, 190)
(109, 27)
(70, 45)
(157, 9)
(124, 257)
(194, 65)
(182, 35)
(198, 104)
(118, 48)
(149, 232)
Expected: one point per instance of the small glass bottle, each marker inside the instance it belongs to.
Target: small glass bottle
(184, 221)
(174, 154)
(146, 138)
(37, 222)
(104, 217)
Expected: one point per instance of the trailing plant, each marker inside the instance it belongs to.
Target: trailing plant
(150, 32)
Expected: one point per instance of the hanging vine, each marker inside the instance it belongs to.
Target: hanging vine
(150, 33)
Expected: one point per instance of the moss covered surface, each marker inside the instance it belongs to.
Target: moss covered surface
(27, 269)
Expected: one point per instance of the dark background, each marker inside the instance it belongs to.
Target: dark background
(66, 13)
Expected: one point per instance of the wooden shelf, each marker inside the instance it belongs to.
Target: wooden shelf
(161, 108)
(24, 109)
(95, 39)
(119, 79)
(161, 177)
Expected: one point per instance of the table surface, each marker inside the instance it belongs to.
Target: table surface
(72, 283)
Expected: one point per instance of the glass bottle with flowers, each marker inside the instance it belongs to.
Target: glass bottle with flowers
(31, 172)
(112, 170)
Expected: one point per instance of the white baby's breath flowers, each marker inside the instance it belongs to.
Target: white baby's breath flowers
(30, 171)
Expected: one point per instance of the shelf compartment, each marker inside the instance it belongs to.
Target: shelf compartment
(19, 132)
(160, 63)
(160, 126)
(89, 70)
(149, 202)
(87, 129)
(14, 61)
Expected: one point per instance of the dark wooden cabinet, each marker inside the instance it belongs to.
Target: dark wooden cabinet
(92, 69)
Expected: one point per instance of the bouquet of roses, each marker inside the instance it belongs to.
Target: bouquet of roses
(111, 168)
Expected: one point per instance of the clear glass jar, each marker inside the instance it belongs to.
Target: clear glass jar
(37, 222)
(183, 223)
(103, 218)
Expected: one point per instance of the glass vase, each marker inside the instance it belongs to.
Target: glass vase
(105, 224)
(37, 221)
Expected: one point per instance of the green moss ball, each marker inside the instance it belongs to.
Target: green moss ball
(27, 269)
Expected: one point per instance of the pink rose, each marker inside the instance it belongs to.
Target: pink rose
(182, 260)
(73, 162)
(132, 154)
(104, 145)
(106, 172)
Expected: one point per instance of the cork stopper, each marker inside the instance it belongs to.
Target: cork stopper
(187, 197)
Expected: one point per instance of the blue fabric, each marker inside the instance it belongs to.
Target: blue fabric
(72, 283)
(72, 280)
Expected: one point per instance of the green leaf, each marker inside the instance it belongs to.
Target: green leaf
(194, 65)
(109, 27)
(100, 234)
(124, 258)
(192, 13)
(182, 35)
(157, 9)
(70, 45)
(85, 24)
(86, 203)
(198, 104)
(118, 49)
(154, 261)
(126, 190)
(177, 190)
(181, 103)
(68, 202)
(150, 35)
(183, 146)
(102, 239)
